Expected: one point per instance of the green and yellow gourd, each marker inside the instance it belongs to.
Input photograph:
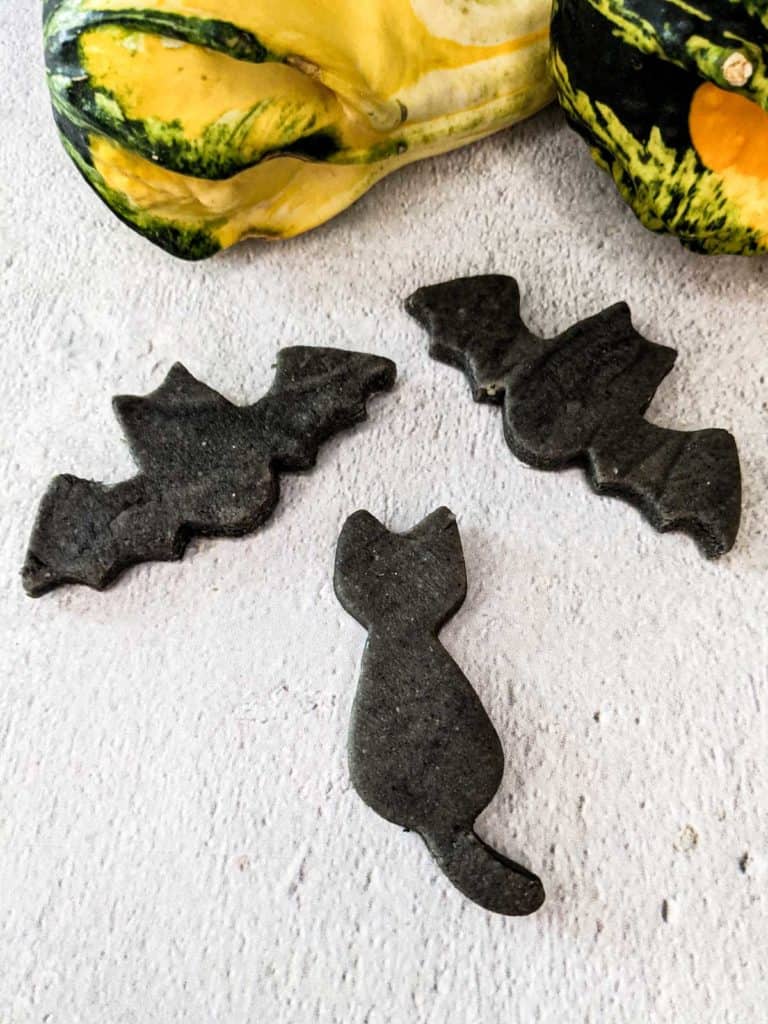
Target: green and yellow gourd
(672, 97)
(201, 122)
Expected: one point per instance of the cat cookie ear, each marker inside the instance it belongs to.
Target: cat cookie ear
(437, 522)
(361, 527)
(441, 531)
(354, 553)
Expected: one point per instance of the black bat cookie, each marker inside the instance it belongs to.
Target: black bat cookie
(423, 753)
(581, 398)
(207, 466)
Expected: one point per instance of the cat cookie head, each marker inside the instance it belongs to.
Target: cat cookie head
(403, 578)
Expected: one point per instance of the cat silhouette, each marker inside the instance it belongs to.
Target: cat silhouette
(423, 753)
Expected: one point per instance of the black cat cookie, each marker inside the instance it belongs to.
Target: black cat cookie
(423, 753)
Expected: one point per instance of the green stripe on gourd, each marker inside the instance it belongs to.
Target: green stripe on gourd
(691, 39)
(68, 20)
(219, 152)
(182, 240)
(757, 8)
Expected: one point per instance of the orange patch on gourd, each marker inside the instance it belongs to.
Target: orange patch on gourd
(729, 132)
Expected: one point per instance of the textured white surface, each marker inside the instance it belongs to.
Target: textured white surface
(178, 837)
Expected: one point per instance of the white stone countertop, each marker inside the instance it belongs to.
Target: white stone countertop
(179, 841)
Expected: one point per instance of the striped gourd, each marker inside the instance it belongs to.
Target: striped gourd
(201, 122)
(671, 96)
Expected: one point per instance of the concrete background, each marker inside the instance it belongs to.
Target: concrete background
(178, 837)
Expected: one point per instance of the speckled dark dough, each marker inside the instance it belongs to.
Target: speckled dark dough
(208, 467)
(580, 398)
(422, 751)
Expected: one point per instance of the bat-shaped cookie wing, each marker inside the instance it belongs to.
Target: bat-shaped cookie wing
(207, 466)
(581, 398)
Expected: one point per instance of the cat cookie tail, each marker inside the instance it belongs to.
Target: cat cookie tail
(484, 875)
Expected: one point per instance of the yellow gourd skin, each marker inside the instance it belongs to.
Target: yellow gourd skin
(205, 122)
